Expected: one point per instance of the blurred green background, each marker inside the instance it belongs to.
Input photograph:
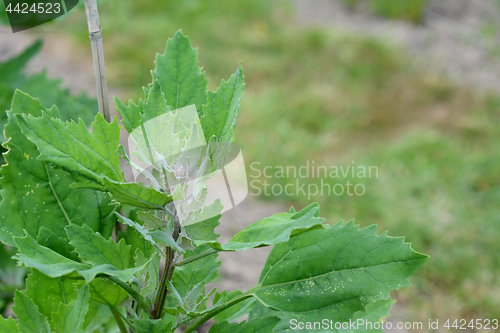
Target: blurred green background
(316, 94)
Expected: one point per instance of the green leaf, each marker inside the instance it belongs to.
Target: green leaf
(61, 245)
(179, 76)
(34, 195)
(8, 325)
(204, 270)
(139, 228)
(219, 115)
(149, 276)
(134, 239)
(88, 157)
(202, 232)
(152, 326)
(258, 325)
(155, 236)
(38, 85)
(375, 312)
(48, 293)
(50, 93)
(52, 264)
(70, 317)
(94, 249)
(335, 272)
(275, 229)
(137, 195)
(236, 311)
(131, 114)
(106, 292)
(155, 104)
(12, 68)
(28, 317)
(164, 236)
(150, 221)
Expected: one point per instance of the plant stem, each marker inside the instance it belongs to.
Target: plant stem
(214, 312)
(95, 34)
(168, 271)
(198, 256)
(118, 319)
(138, 298)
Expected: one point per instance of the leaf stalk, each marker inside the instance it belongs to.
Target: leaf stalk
(218, 310)
(118, 319)
(198, 256)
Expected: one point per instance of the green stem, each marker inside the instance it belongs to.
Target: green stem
(162, 288)
(214, 312)
(196, 257)
(119, 321)
(138, 298)
(161, 297)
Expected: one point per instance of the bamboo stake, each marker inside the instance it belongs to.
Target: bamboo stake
(95, 34)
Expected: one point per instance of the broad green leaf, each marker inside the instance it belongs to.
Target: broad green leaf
(103, 320)
(150, 220)
(202, 232)
(155, 104)
(50, 93)
(161, 235)
(92, 313)
(258, 325)
(149, 276)
(8, 325)
(52, 264)
(70, 317)
(13, 67)
(48, 293)
(94, 249)
(106, 292)
(219, 114)
(335, 272)
(179, 76)
(137, 195)
(35, 195)
(28, 317)
(164, 236)
(131, 114)
(204, 270)
(88, 156)
(275, 229)
(139, 228)
(236, 311)
(12, 78)
(39, 85)
(193, 304)
(134, 239)
(375, 312)
(152, 326)
(61, 245)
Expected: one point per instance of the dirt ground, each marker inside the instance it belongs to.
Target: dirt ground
(459, 39)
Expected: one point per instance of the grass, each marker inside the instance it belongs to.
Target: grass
(409, 10)
(315, 95)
